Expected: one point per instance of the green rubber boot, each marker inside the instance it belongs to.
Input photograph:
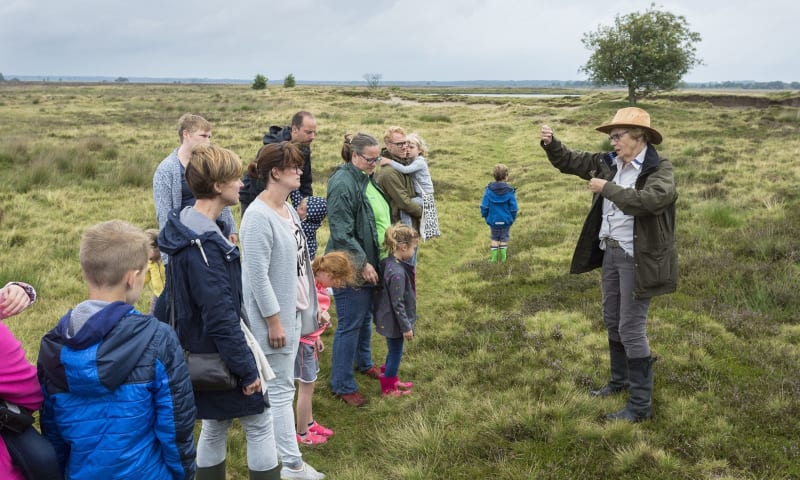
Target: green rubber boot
(493, 257)
(217, 472)
(503, 254)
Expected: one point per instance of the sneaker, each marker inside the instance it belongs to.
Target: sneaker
(373, 372)
(305, 472)
(320, 430)
(355, 399)
(311, 438)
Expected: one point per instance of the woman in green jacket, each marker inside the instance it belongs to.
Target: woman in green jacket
(358, 215)
(630, 233)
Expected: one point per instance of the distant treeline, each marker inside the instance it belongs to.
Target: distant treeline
(739, 84)
(747, 85)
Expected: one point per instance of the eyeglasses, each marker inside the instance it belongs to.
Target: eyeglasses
(404, 143)
(369, 160)
(615, 138)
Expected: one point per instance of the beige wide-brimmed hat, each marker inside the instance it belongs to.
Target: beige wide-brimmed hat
(632, 117)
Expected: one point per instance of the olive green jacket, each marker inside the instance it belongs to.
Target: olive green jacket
(652, 204)
(399, 187)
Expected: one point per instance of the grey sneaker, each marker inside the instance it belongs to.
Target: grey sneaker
(306, 472)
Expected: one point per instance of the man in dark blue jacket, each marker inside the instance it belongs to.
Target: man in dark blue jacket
(302, 131)
(118, 401)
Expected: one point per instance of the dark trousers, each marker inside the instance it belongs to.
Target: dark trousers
(33, 454)
(625, 317)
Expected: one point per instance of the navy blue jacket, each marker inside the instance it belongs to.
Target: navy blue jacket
(253, 186)
(499, 205)
(396, 303)
(204, 274)
(117, 398)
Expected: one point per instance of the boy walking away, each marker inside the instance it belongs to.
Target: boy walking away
(499, 209)
(118, 401)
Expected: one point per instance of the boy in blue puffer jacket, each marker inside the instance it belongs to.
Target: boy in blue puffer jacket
(499, 209)
(118, 401)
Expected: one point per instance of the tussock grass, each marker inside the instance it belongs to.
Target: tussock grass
(505, 353)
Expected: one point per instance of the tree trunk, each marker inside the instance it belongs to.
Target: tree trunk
(631, 95)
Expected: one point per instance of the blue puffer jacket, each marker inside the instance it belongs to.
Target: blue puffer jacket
(499, 205)
(205, 275)
(118, 403)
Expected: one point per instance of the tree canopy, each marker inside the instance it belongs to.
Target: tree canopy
(644, 52)
(260, 82)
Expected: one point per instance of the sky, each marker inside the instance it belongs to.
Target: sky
(402, 40)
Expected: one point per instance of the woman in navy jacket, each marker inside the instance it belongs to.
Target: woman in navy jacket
(206, 285)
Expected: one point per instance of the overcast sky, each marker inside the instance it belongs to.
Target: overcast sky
(400, 39)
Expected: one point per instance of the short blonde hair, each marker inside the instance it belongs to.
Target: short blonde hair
(189, 122)
(415, 138)
(500, 172)
(111, 249)
(208, 166)
(387, 135)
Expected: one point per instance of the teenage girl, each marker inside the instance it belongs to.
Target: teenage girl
(396, 310)
(333, 269)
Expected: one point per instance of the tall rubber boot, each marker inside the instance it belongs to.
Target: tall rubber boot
(389, 387)
(619, 371)
(274, 474)
(640, 372)
(493, 255)
(217, 472)
(503, 254)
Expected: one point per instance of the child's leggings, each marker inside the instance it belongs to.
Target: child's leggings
(393, 356)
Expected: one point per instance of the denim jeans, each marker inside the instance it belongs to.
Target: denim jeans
(351, 342)
(261, 453)
(625, 317)
(394, 355)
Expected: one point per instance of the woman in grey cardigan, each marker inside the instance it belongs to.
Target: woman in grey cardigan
(275, 251)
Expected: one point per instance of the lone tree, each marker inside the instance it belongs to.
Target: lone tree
(260, 82)
(373, 79)
(289, 81)
(645, 52)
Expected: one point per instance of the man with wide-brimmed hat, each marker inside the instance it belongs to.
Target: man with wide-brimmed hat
(630, 233)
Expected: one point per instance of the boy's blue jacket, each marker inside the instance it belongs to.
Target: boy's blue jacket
(118, 401)
(499, 205)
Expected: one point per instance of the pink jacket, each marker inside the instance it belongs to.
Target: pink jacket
(19, 385)
(324, 304)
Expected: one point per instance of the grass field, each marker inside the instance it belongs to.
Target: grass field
(505, 353)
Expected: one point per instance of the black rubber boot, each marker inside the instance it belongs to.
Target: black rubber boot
(217, 472)
(274, 474)
(619, 371)
(641, 385)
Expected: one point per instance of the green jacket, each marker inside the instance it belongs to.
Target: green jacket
(350, 217)
(399, 187)
(651, 202)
